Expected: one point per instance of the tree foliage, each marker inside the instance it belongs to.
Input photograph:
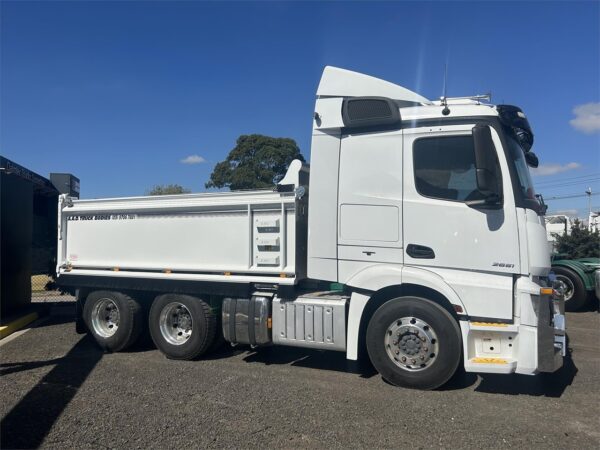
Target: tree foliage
(579, 243)
(256, 162)
(168, 189)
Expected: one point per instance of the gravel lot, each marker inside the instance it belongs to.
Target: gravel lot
(59, 391)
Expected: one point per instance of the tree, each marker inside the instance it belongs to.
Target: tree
(168, 189)
(256, 162)
(579, 243)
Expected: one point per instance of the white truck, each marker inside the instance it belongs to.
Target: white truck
(419, 296)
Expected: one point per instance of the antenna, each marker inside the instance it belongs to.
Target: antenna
(444, 99)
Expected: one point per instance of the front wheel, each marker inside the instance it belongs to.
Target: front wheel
(414, 343)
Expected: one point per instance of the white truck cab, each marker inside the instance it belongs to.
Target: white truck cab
(421, 294)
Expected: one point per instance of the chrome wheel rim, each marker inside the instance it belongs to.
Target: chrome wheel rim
(105, 318)
(176, 323)
(411, 343)
(569, 287)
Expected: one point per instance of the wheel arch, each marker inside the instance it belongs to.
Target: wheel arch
(378, 284)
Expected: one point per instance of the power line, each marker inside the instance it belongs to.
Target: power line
(593, 174)
(566, 182)
(571, 183)
(561, 197)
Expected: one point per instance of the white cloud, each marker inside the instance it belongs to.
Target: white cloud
(553, 169)
(587, 118)
(192, 159)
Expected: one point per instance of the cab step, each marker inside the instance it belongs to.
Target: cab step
(491, 365)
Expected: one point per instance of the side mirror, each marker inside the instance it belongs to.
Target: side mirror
(531, 159)
(485, 163)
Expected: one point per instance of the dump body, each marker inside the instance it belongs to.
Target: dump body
(236, 237)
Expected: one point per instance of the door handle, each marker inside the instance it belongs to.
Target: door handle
(419, 251)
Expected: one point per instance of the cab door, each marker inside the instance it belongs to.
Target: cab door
(441, 231)
(369, 201)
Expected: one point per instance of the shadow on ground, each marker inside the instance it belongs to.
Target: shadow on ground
(30, 420)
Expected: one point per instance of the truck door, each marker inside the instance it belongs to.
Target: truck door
(370, 200)
(441, 231)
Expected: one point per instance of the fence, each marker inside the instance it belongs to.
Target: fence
(43, 290)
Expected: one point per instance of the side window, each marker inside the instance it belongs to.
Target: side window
(445, 168)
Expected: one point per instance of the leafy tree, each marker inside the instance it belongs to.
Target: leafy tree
(168, 189)
(256, 162)
(579, 243)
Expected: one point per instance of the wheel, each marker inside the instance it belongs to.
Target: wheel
(114, 319)
(181, 326)
(414, 343)
(575, 293)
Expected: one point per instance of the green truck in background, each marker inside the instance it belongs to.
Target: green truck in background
(581, 278)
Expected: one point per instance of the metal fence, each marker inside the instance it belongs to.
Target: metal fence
(44, 290)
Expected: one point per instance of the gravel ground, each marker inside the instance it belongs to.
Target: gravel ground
(58, 390)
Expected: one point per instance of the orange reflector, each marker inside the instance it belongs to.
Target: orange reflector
(489, 324)
(282, 275)
(546, 291)
(227, 273)
(167, 271)
(269, 323)
(116, 269)
(489, 361)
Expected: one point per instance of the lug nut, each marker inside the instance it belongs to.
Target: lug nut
(397, 352)
(414, 361)
(404, 359)
(422, 357)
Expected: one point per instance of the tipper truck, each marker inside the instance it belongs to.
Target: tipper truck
(346, 255)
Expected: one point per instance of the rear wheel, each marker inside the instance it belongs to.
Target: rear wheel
(114, 319)
(414, 343)
(181, 326)
(575, 293)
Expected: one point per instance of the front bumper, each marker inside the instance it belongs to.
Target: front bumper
(536, 341)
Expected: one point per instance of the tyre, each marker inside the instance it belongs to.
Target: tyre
(575, 293)
(114, 319)
(414, 343)
(182, 326)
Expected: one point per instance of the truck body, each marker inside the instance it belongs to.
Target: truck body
(419, 296)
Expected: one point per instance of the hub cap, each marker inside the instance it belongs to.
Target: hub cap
(176, 323)
(569, 288)
(105, 318)
(411, 344)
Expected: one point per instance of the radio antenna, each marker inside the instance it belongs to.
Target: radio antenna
(444, 99)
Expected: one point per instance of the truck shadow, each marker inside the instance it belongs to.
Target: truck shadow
(541, 385)
(311, 359)
(30, 420)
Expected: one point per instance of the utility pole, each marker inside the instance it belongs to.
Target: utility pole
(589, 194)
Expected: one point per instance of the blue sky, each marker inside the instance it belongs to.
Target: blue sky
(119, 93)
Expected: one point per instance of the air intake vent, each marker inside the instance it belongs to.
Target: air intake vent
(370, 112)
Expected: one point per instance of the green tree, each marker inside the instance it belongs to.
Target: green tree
(256, 162)
(167, 189)
(579, 243)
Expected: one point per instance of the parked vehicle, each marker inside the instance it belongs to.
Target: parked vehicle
(581, 278)
(420, 295)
